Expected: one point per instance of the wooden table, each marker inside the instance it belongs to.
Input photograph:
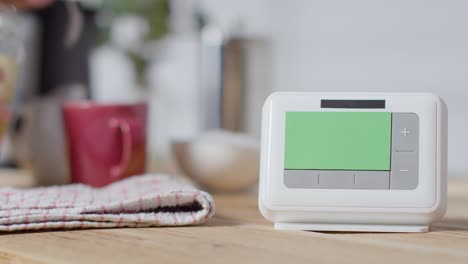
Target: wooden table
(239, 234)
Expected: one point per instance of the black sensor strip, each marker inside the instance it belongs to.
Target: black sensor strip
(363, 104)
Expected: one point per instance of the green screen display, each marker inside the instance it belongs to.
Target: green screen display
(338, 141)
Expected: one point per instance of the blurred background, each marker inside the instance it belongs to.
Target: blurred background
(210, 64)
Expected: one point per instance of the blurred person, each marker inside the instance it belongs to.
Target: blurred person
(67, 37)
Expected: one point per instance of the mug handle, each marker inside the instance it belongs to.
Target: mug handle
(118, 171)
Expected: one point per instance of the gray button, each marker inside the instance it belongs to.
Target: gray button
(404, 174)
(405, 151)
(374, 180)
(328, 179)
(405, 129)
(303, 179)
(336, 179)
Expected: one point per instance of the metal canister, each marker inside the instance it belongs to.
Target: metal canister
(234, 80)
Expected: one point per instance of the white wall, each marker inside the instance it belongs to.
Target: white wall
(367, 45)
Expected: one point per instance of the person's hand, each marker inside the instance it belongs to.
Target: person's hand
(28, 3)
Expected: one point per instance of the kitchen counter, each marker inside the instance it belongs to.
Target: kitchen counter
(239, 234)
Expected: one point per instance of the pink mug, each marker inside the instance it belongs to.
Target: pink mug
(106, 142)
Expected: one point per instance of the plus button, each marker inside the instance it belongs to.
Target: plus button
(405, 132)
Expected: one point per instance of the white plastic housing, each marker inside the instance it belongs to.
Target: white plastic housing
(351, 209)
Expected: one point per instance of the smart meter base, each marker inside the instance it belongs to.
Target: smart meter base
(353, 227)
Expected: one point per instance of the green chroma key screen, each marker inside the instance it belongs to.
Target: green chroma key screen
(338, 141)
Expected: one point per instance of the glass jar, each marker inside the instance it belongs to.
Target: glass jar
(11, 52)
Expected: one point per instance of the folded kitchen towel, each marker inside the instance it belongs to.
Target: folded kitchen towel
(140, 201)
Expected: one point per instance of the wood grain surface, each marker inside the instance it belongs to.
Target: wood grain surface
(239, 234)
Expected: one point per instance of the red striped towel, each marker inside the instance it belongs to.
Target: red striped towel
(140, 201)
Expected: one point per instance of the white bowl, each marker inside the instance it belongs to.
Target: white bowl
(220, 161)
